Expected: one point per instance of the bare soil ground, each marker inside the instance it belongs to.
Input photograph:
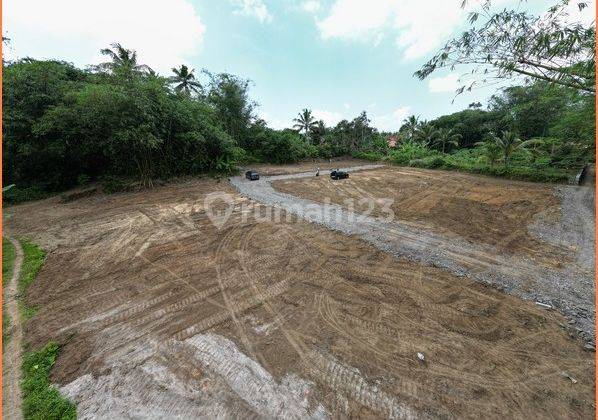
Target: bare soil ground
(11, 350)
(306, 166)
(161, 314)
(479, 209)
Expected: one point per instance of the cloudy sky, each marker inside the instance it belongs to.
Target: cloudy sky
(337, 57)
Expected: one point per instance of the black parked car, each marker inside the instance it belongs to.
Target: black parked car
(252, 175)
(339, 174)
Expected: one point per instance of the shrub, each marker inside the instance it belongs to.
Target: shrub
(409, 151)
(113, 184)
(373, 156)
(437, 161)
(17, 195)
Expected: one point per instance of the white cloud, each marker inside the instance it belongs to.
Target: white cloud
(274, 122)
(355, 19)
(392, 121)
(347, 105)
(164, 34)
(448, 83)
(330, 118)
(311, 6)
(253, 8)
(420, 27)
(585, 16)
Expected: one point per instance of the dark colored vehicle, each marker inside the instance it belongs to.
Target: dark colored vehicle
(339, 175)
(252, 175)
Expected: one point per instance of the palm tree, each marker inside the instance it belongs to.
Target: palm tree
(410, 125)
(184, 80)
(446, 136)
(319, 131)
(426, 134)
(305, 122)
(491, 151)
(508, 143)
(122, 61)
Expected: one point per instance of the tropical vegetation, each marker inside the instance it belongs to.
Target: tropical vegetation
(123, 125)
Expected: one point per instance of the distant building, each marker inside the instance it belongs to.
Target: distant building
(392, 141)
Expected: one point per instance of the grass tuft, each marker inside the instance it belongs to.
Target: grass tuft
(40, 399)
(8, 260)
(33, 258)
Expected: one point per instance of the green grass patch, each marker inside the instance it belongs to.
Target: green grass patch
(40, 399)
(33, 258)
(8, 260)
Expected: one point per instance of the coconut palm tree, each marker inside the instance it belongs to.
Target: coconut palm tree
(305, 122)
(410, 126)
(122, 61)
(184, 80)
(318, 132)
(426, 134)
(508, 142)
(491, 151)
(446, 136)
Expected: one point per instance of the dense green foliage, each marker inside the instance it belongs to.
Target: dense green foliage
(123, 125)
(40, 399)
(475, 160)
(96, 125)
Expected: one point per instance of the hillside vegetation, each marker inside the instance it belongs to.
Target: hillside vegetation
(65, 126)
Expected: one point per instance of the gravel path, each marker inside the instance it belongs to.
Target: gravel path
(570, 290)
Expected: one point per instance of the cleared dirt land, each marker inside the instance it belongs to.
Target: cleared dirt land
(161, 314)
(532, 240)
(479, 209)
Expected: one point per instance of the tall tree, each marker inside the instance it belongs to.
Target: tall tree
(318, 132)
(305, 122)
(514, 43)
(446, 136)
(184, 80)
(508, 142)
(122, 61)
(229, 96)
(410, 126)
(426, 134)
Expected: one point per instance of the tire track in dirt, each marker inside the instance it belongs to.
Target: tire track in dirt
(350, 321)
(519, 275)
(12, 351)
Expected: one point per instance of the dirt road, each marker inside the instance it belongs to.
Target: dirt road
(11, 353)
(160, 313)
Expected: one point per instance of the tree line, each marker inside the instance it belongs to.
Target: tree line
(64, 126)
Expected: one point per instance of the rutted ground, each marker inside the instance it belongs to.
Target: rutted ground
(479, 209)
(532, 240)
(161, 314)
